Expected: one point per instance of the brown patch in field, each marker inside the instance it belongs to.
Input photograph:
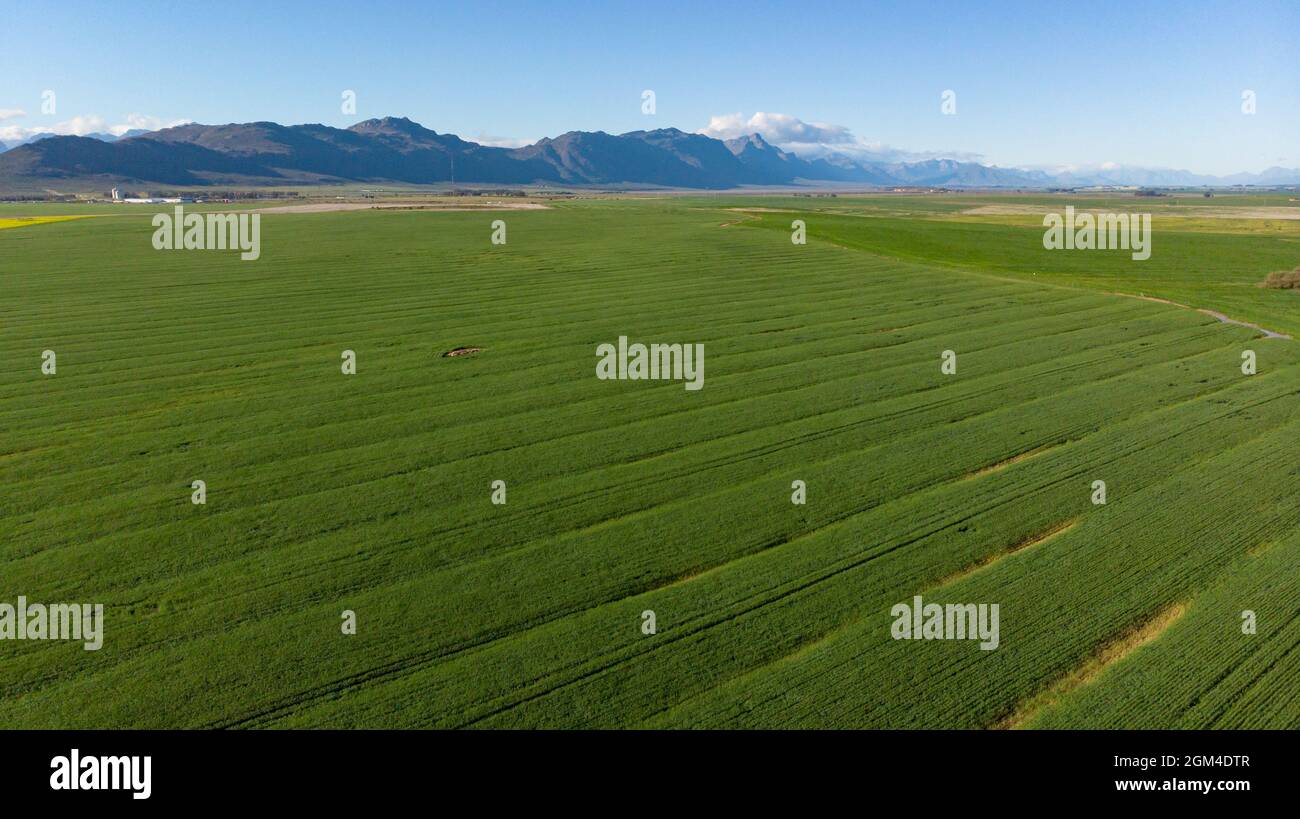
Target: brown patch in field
(1259, 548)
(1027, 543)
(462, 351)
(1024, 456)
(1107, 654)
(315, 207)
(744, 218)
(1282, 280)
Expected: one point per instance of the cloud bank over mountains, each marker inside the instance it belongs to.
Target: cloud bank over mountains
(83, 125)
(815, 140)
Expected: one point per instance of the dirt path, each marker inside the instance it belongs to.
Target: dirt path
(320, 207)
(332, 207)
(1220, 316)
(469, 206)
(745, 217)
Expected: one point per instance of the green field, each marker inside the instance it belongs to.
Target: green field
(372, 492)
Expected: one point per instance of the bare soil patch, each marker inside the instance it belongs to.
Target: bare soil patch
(462, 351)
(318, 207)
(1282, 280)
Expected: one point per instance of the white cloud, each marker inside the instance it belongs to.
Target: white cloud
(144, 122)
(810, 140)
(80, 125)
(11, 113)
(1075, 168)
(777, 129)
(87, 124)
(500, 142)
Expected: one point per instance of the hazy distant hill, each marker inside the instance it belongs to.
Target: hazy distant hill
(395, 149)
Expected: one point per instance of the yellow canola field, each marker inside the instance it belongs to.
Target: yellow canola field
(23, 221)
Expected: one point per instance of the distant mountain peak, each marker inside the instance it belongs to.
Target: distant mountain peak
(401, 124)
(754, 142)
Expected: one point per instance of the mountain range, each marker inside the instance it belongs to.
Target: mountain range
(397, 150)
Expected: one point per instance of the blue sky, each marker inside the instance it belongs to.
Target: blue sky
(1157, 84)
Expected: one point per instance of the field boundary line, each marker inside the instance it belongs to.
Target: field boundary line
(1226, 319)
